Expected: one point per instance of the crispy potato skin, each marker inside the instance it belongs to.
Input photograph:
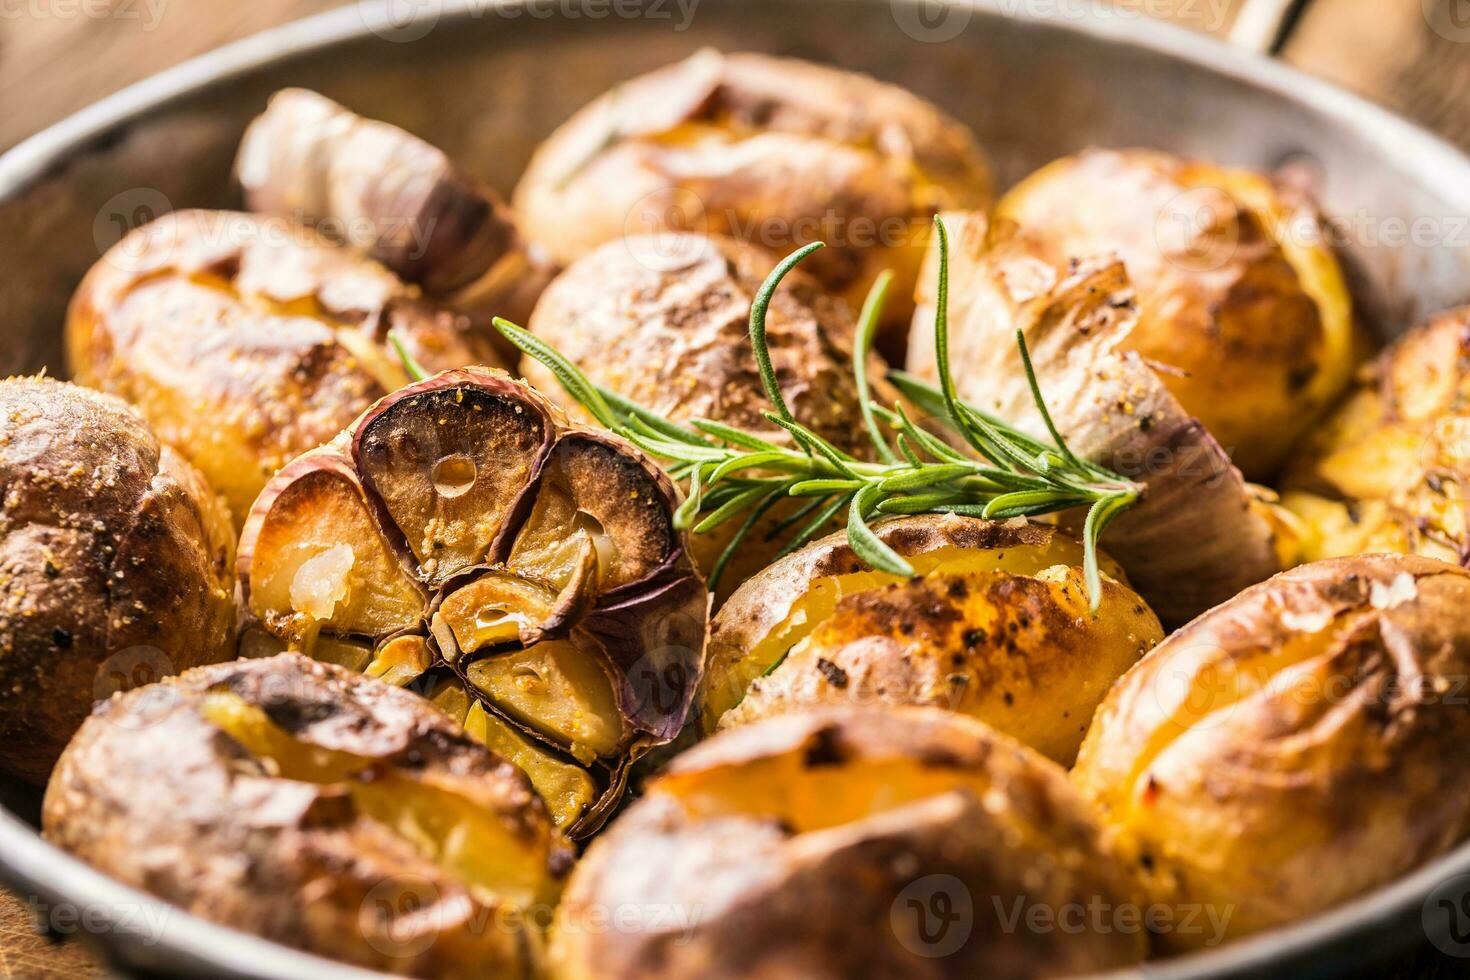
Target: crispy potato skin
(771, 150)
(1234, 294)
(1019, 649)
(1389, 469)
(1296, 747)
(749, 882)
(116, 564)
(156, 795)
(674, 337)
(389, 193)
(987, 590)
(246, 341)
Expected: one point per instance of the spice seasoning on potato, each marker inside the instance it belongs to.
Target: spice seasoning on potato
(383, 190)
(246, 340)
(116, 564)
(850, 843)
(463, 526)
(1297, 747)
(1388, 470)
(1239, 294)
(774, 151)
(303, 803)
(996, 626)
(1200, 533)
(675, 338)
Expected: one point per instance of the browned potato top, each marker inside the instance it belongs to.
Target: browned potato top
(1388, 470)
(116, 564)
(811, 845)
(1296, 747)
(316, 808)
(1199, 534)
(462, 526)
(775, 151)
(673, 336)
(996, 625)
(384, 190)
(246, 341)
(1238, 291)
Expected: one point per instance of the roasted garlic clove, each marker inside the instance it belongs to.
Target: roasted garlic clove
(521, 569)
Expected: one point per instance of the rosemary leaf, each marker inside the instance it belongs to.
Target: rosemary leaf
(411, 366)
(867, 326)
(867, 545)
(758, 309)
(572, 379)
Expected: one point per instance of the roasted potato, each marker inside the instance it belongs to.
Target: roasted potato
(1238, 291)
(996, 625)
(1199, 534)
(774, 151)
(246, 341)
(832, 843)
(463, 526)
(1301, 744)
(319, 809)
(1390, 469)
(385, 191)
(676, 339)
(116, 564)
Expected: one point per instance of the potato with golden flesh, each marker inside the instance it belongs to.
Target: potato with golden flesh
(462, 531)
(995, 625)
(116, 564)
(1299, 746)
(246, 341)
(831, 844)
(1239, 293)
(1389, 470)
(1200, 533)
(774, 151)
(316, 808)
(675, 338)
(385, 191)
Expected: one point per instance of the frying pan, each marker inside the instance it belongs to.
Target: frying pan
(487, 79)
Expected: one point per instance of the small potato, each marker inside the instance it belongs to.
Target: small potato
(1199, 533)
(246, 341)
(1238, 293)
(850, 843)
(774, 151)
(1389, 470)
(116, 564)
(318, 809)
(1299, 746)
(462, 529)
(996, 626)
(387, 192)
(675, 338)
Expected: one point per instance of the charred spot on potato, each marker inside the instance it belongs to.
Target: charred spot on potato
(542, 577)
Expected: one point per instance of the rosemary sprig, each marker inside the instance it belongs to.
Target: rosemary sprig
(734, 473)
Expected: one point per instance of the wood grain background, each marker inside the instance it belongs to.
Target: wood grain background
(56, 56)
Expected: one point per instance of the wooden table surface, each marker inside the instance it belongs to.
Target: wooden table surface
(57, 56)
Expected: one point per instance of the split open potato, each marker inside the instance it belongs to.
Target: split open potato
(462, 526)
(1239, 294)
(247, 340)
(845, 843)
(995, 625)
(1200, 533)
(1389, 469)
(385, 191)
(319, 809)
(774, 151)
(116, 564)
(675, 338)
(1296, 747)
